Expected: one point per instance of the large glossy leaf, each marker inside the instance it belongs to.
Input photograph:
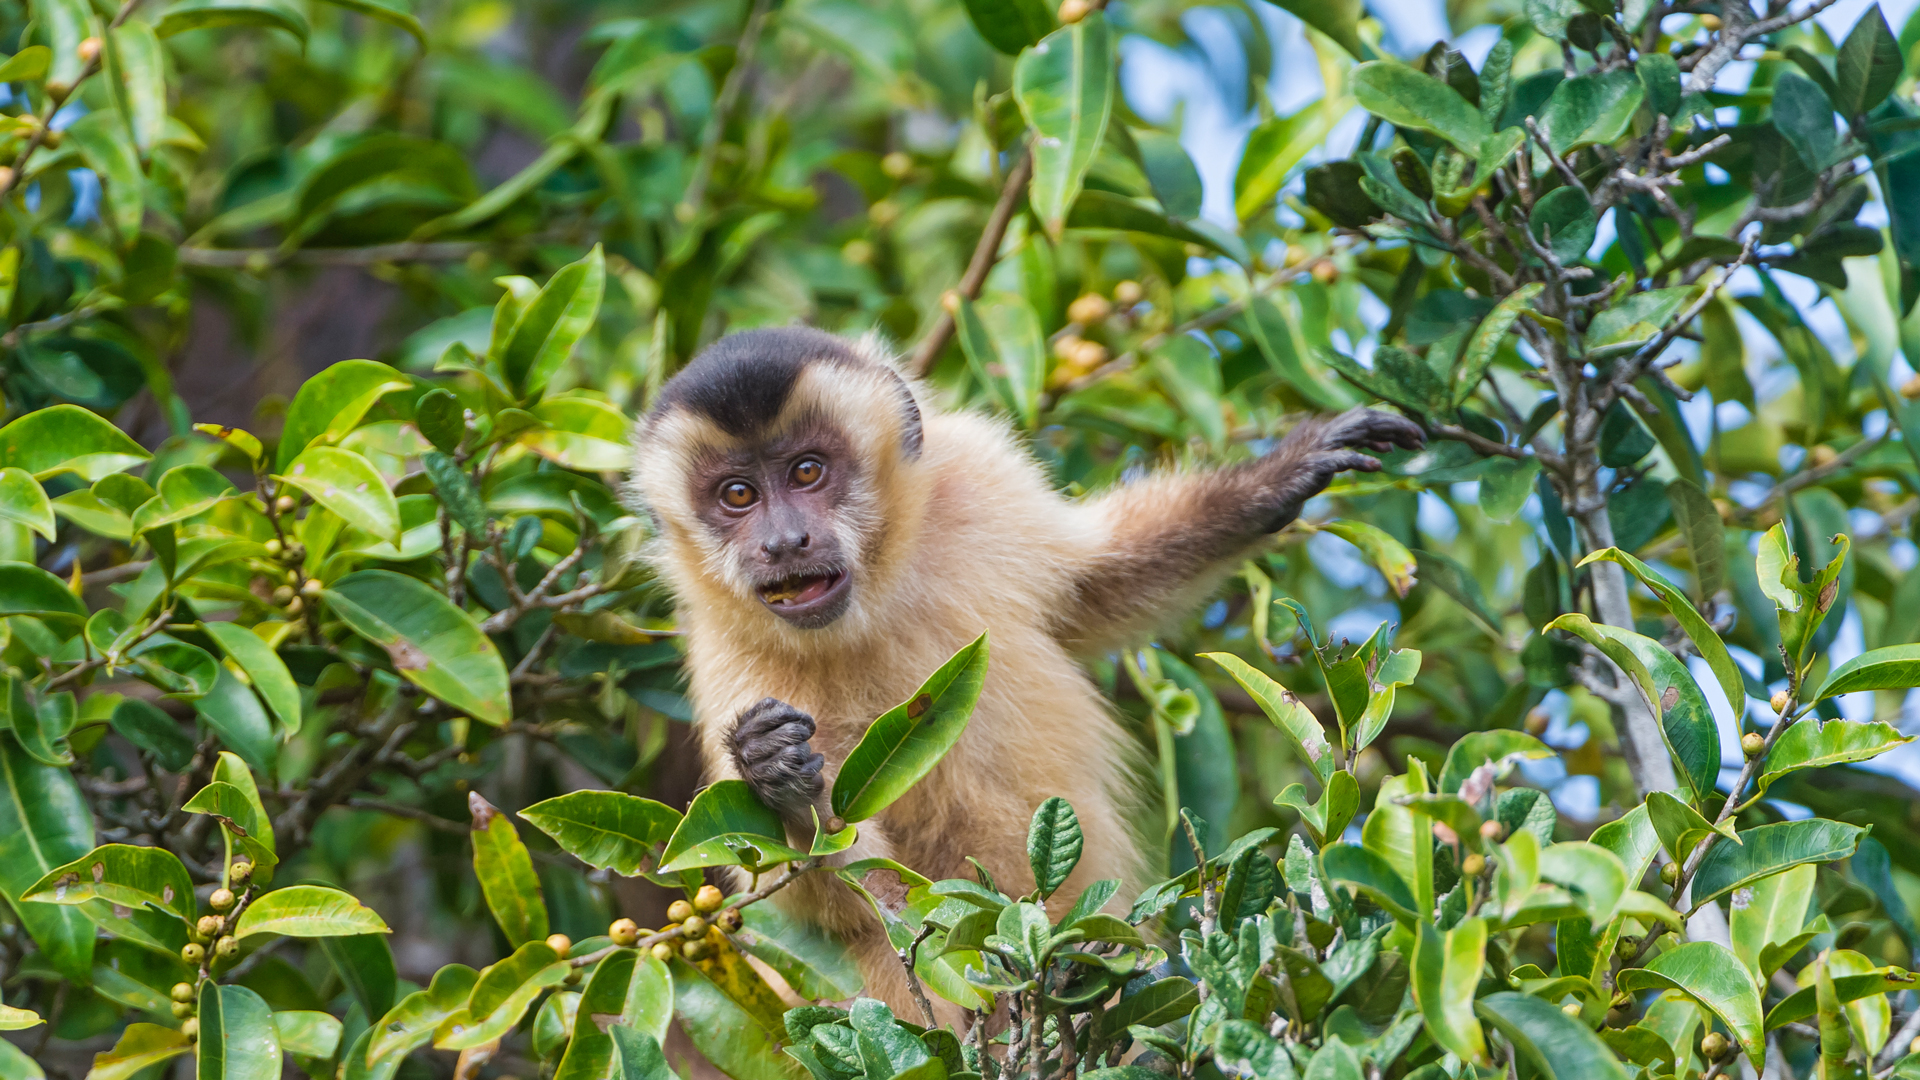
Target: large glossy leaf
(908, 740)
(548, 328)
(1895, 667)
(1010, 25)
(1768, 849)
(28, 590)
(24, 502)
(208, 14)
(734, 1039)
(308, 911)
(307, 1033)
(589, 1054)
(1370, 873)
(236, 715)
(139, 1048)
(1446, 968)
(67, 438)
(580, 433)
(238, 1040)
(332, 403)
(1811, 743)
(1065, 87)
(433, 644)
(727, 826)
(1292, 718)
(1868, 66)
(502, 995)
(349, 485)
(607, 830)
(505, 869)
(1591, 108)
(1484, 344)
(1274, 150)
(1771, 919)
(1711, 648)
(1686, 720)
(121, 874)
(264, 668)
(44, 823)
(106, 145)
(1388, 555)
(410, 1023)
(1559, 1046)
(364, 963)
(1408, 98)
(1712, 975)
(1846, 988)
(1481, 747)
(639, 1056)
(815, 964)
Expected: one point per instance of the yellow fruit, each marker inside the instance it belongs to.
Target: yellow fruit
(1711, 22)
(950, 302)
(182, 1010)
(694, 927)
(1571, 1008)
(1537, 721)
(624, 932)
(193, 953)
(679, 911)
(227, 948)
(896, 165)
(1128, 293)
(182, 992)
(1089, 308)
(208, 926)
(1713, 1045)
(663, 952)
(1072, 11)
(88, 50)
(884, 212)
(1089, 355)
(239, 871)
(1911, 388)
(310, 588)
(1753, 744)
(1670, 873)
(1780, 700)
(191, 1029)
(1325, 272)
(708, 899)
(283, 594)
(559, 943)
(221, 900)
(1493, 831)
(273, 547)
(728, 920)
(1473, 865)
(285, 504)
(1823, 455)
(857, 252)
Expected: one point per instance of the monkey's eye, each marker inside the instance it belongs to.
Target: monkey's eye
(807, 472)
(739, 494)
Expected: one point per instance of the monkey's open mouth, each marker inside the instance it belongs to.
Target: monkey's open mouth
(812, 599)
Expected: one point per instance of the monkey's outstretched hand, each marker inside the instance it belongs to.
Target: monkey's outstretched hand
(1306, 460)
(771, 748)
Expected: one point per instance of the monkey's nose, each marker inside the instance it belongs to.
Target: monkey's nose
(781, 545)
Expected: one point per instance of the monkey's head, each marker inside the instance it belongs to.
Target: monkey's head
(773, 465)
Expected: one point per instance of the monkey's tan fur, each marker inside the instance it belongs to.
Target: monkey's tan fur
(967, 536)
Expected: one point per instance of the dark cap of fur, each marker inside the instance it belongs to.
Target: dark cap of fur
(742, 381)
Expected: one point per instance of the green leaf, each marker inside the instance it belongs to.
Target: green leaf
(1713, 976)
(1370, 872)
(548, 328)
(237, 1038)
(1773, 916)
(1010, 25)
(139, 1048)
(67, 438)
(307, 1033)
(241, 816)
(1564, 223)
(1869, 64)
(441, 418)
(1054, 841)
(1153, 1005)
(264, 669)
(136, 71)
(1485, 343)
(1768, 849)
(44, 822)
(1668, 688)
(1407, 98)
(1811, 743)
(589, 1054)
(332, 403)
(364, 963)
(813, 962)
(411, 1023)
(1632, 839)
(107, 148)
(1705, 640)
(1804, 117)
(1593, 873)
(232, 711)
(726, 825)
(120, 874)
(185, 491)
(1292, 718)
(1660, 80)
(580, 433)
(1477, 748)
(1338, 19)
(607, 830)
(1559, 1046)
(1065, 88)
(12, 1019)
(1505, 486)
(349, 485)
(28, 590)
(1681, 827)
(1591, 108)
(1700, 525)
(1388, 555)
(1803, 1003)
(308, 911)
(1274, 150)
(209, 14)
(908, 740)
(27, 65)
(1895, 667)
(433, 644)
(386, 12)
(24, 502)
(1446, 968)
(456, 493)
(737, 1041)
(505, 869)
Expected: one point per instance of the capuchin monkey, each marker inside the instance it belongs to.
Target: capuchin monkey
(832, 538)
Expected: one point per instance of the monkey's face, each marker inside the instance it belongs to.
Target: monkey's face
(778, 509)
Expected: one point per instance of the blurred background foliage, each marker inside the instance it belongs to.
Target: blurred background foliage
(291, 183)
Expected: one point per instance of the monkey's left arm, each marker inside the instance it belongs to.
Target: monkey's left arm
(1166, 540)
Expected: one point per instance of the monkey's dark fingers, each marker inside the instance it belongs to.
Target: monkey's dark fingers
(1342, 460)
(768, 714)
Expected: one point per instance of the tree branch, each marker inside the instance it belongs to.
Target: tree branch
(985, 254)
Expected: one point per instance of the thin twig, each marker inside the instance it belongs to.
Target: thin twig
(910, 956)
(985, 254)
(434, 821)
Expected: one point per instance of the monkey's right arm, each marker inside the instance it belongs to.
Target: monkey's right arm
(772, 748)
(1166, 540)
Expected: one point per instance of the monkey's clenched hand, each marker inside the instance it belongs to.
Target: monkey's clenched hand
(771, 748)
(1307, 459)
